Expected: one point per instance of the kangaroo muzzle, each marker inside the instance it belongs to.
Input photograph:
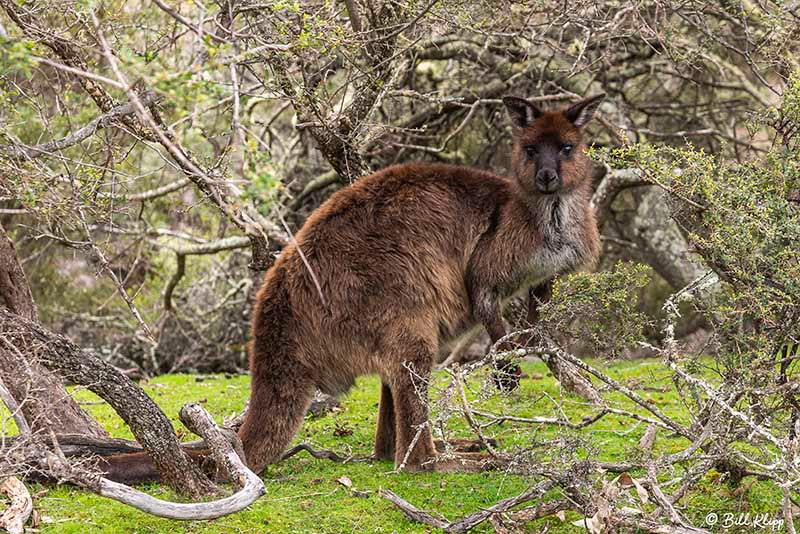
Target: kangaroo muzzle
(548, 181)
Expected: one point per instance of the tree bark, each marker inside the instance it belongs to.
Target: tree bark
(659, 241)
(15, 293)
(40, 393)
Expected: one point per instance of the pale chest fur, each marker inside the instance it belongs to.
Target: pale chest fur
(565, 243)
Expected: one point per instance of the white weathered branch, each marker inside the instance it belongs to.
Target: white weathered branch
(53, 463)
(18, 512)
(250, 483)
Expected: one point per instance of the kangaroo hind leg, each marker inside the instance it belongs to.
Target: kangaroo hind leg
(414, 357)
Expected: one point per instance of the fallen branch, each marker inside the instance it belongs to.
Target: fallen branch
(145, 419)
(471, 520)
(665, 504)
(554, 350)
(226, 447)
(714, 396)
(81, 445)
(531, 513)
(412, 512)
(498, 419)
(18, 512)
(54, 463)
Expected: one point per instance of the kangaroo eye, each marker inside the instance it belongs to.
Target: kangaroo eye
(531, 151)
(566, 150)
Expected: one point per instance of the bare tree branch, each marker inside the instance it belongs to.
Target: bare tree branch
(54, 463)
(470, 521)
(14, 409)
(101, 122)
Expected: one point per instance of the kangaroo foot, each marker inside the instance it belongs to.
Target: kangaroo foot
(466, 462)
(463, 444)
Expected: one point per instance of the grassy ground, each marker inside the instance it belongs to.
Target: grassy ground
(303, 494)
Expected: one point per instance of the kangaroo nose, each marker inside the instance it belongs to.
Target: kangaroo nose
(547, 181)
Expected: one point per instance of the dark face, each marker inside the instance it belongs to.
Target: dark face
(548, 156)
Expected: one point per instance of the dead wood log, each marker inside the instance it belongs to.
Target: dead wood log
(226, 447)
(31, 451)
(49, 459)
(251, 486)
(247, 482)
(145, 419)
(79, 445)
(412, 512)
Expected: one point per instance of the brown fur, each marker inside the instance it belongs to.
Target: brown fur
(389, 267)
(404, 258)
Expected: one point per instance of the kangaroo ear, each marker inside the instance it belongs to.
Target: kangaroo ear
(582, 112)
(522, 112)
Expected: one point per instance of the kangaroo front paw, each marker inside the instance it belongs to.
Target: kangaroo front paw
(506, 375)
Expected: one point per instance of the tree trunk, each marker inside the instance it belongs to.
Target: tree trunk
(41, 394)
(15, 293)
(659, 241)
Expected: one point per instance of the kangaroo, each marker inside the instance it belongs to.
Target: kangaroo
(387, 268)
(402, 260)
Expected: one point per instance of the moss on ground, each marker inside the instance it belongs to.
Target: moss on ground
(303, 495)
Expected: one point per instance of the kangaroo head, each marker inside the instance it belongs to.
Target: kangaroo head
(548, 155)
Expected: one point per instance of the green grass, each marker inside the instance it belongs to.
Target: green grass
(303, 494)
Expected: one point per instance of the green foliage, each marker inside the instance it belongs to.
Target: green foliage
(264, 183)
(17, 56)
(743, 219)
(599, 308)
